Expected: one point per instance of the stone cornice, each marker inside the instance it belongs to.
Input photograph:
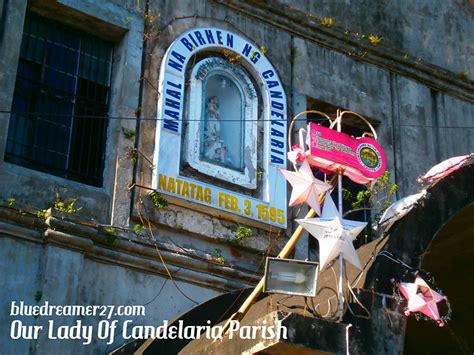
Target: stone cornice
(127, 250)
(299, 24)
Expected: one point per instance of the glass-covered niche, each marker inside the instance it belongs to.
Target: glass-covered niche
(223, 122)
(222, 127)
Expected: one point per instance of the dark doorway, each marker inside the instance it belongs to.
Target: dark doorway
(450, 260)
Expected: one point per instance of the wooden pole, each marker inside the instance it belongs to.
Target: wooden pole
(284, 253)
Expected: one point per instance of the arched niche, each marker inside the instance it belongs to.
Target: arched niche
(252, 186)
(222, 134)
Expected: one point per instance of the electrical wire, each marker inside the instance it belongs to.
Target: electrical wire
(199, 120)
(155, 243)
(357, 301)
(390, 256)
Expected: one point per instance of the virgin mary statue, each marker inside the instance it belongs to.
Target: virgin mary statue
(214, 147)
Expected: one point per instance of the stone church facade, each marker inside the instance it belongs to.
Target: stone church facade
(140, 141)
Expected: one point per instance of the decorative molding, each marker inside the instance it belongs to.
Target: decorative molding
(298, 23)
(126, 251)
(203, 70)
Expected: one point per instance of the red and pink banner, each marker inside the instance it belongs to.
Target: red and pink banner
(362, 159)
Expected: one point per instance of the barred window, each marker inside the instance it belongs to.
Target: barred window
(58, 122)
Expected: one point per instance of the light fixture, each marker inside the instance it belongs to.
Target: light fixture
(291, 277)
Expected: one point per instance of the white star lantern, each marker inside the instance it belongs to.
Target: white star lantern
(335, 235)
(305, 187)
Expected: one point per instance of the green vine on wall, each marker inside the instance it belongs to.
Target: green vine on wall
(139, 230)
(242, 233)
(128, 133)
(374, 39)
(157, 200)
(60, 205)
(327, 22)
(10, 201)
(379, 197)
(217, 256)
(110, 234)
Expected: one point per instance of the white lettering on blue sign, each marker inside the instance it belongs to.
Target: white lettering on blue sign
(171, 110)
(173, 95)
(198, 38)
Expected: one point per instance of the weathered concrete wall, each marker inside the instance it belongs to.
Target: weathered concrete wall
(435, 238)
(19, 266)
(428, 127)
(415, 121)
(411, 236)
(439, 32)
(68, 277)
(11, 30)
(419, 126)
(38, 188)
(195, 227)
(408, 111)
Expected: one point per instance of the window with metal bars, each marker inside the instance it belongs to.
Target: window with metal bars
(58, 122)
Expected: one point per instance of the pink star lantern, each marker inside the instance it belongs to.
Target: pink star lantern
(305, 187)
(421, 298)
